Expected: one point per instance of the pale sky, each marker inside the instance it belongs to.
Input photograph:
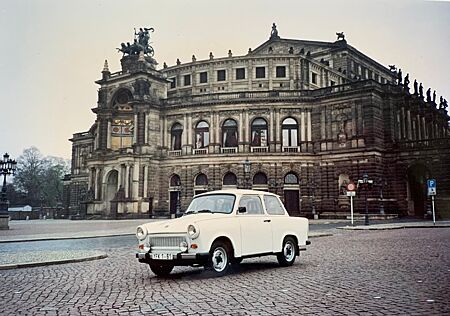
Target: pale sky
(53, 50)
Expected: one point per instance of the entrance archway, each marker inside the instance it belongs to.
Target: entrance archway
(417, 175)
(111, 189)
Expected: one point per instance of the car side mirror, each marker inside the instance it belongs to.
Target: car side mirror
(242, 209)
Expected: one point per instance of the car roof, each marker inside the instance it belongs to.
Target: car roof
(236, 192)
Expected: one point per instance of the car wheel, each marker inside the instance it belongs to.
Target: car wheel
(288, 252)
(220, 258)
(161, 269)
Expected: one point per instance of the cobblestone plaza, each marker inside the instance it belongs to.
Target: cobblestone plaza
(395, 272)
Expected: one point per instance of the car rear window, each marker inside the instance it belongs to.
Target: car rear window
(273, 205)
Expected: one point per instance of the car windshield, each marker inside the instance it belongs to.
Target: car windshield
(212, 203)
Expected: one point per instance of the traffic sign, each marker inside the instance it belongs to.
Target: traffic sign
(431, 185)
(351, 193)
(351, 187)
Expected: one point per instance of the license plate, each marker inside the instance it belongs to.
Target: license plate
(162, 256)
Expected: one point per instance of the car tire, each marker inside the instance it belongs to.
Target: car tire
(220, 258)
(288, 253)
(161, 269)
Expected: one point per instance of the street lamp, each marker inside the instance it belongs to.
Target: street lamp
(365, 184)
(247, 168)
(178, 205)
(7, 168)
(383, 183)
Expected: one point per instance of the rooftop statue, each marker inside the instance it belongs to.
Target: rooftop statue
(421, 91)
(399, 77)
(274, 32)
(416, 92)
(140, 43)
(406, 83)
(340, 36)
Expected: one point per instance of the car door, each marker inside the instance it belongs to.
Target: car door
(278, 220)
(256, 231)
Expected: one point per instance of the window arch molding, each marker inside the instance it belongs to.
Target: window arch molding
(289, 132)
(259, 132)
(176, 133)
(201, 134)
(230, 133)
(229, 179)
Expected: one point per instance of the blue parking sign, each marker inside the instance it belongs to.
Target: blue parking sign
(431, 184)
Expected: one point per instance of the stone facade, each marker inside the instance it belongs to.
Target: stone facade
(307, 116)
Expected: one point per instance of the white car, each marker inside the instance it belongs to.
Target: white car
(220, 228)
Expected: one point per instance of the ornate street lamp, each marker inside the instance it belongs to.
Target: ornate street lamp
(7, 168)
(178, 205)
(247, 168)
(365, 184)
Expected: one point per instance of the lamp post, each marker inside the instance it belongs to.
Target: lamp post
(7, 168)
(383, 183)
(178, 205)
(365, 184)
(247, 168)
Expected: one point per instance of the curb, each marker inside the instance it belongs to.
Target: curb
(47, 263)
(392, 227)
(63, 238)
(317, 235)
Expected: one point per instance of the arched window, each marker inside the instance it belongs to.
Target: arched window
(260, 178)
(291, 178)
(229, 133)
(229, 179)
(176, 133)
(290, 132)
(259, 132)
(175, 181)
(201, 179)
(201, 135)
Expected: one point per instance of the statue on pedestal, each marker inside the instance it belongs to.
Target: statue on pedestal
(434, 96)
(274, 32)
(406, 83)
(140, 43)
(429, 95)
(399, 77)
(415, 87)
(421, 91)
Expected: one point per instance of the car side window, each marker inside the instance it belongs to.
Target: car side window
(252, 203)
(273, 205)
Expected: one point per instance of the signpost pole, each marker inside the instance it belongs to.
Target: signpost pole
(351, 208)
(432, 205)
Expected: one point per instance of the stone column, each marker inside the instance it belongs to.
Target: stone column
(247, 134)
(408, 121)
(91, 175)
(135, 184)
(270, 73)
(241, 130)
(188, 130)
(418, 127)
(135, 130)
(127, 180)
(96, 183)
(108, 139)
(145, 193)
(424, 128)
(145, 128)
(161, 132)
(302, 127)
(184, 135)
(119, 176)
(308, 126)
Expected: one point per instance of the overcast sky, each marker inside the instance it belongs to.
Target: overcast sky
(53, 51)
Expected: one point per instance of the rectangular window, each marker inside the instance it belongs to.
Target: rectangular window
(221, 75)
(281, 71)
(260, 72)
(173, 83)
(203, 77)
(187, 80)
(332, 83)
(314, 78)
(240, 73)
(273, 205)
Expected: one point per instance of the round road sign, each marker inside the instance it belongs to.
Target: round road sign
(351, 186)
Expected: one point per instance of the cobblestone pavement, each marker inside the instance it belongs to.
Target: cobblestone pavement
(394, 272)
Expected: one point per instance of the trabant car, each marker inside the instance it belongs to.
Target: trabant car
(220, 229)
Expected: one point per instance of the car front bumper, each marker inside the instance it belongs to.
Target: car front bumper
(180, 259)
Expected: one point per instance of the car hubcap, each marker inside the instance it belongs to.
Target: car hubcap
(219, 259)
(289, 251)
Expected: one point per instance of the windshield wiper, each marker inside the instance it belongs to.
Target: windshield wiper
(204, 211)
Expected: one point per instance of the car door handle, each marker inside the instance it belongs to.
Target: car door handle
(267, 221)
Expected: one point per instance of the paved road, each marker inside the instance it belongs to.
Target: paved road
(393, 272)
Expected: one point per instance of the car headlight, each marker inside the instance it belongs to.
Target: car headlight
(141, 232)
(193, 231)
(183, 246)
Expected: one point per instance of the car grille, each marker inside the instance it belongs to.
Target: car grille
(165, 241)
